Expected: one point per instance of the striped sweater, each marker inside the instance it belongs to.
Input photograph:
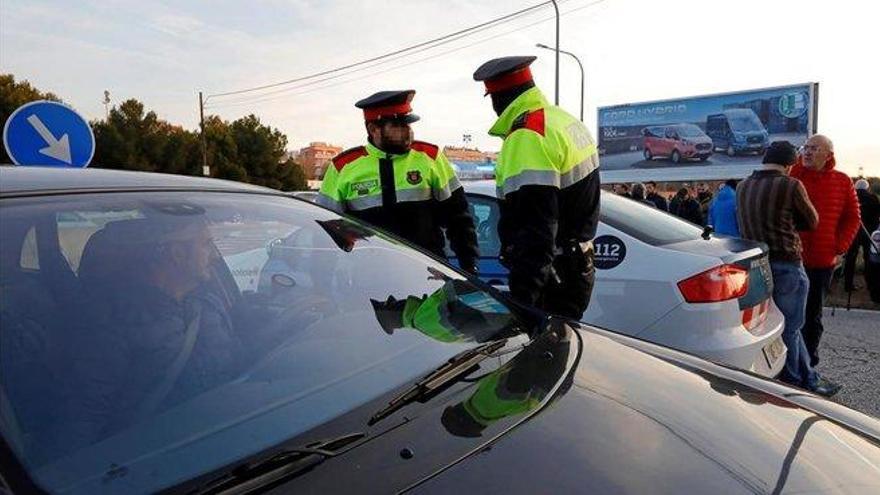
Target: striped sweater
(771, 208)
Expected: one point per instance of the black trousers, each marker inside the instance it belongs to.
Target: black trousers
(820, 282)
(568, 293)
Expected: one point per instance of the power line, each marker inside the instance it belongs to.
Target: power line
(384, 61)
(389, 54)
(265, 98)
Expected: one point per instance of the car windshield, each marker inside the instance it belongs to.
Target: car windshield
(689, 130)
(645, 223)
(148, 338)
(744, 121)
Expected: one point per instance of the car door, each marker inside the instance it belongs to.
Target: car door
(669, 141)
(715, 125)
(485, 212)
(630, 264)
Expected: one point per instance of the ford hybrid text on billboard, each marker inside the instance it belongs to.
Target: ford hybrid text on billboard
(702, 137)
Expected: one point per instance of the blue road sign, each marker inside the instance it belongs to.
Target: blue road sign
(48, 133)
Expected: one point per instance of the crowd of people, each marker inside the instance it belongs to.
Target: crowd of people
(694, 203)
(814, 220)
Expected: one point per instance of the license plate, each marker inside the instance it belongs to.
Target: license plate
(773, 351)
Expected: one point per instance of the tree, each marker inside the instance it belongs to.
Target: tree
(223, 151)
(13, 95)
(133, 138)
(261, 151)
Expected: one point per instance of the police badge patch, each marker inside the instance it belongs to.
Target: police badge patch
(363, 188)
(413, 177)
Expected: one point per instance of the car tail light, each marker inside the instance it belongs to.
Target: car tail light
(754, 317)
(718, 284)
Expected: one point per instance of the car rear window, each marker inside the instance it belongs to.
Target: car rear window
(645, 223)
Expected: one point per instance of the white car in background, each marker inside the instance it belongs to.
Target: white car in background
(662, 279)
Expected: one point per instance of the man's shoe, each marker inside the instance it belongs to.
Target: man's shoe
(826, 388)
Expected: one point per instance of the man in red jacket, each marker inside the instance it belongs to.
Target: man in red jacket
(834, 197)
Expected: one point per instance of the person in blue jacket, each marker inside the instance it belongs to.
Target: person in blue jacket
(722, 212)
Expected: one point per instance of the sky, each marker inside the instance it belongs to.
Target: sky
(164, 53)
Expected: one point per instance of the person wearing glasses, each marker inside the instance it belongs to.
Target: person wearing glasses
(832, 193)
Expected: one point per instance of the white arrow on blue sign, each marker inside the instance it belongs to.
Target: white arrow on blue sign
(48, 133)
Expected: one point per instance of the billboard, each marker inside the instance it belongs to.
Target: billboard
(702, 137)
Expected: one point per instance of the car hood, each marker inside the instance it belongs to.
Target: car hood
(585, 410)
(699, 139)
(640, 418)
(751, 132)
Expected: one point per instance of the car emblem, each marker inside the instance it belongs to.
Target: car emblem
(413, 177)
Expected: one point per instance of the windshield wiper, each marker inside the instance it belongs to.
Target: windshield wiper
(285, 464)
(447, 372)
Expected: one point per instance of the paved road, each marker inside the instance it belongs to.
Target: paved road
(850, 355)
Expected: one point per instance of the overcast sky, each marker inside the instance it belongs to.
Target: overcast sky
(164, 53)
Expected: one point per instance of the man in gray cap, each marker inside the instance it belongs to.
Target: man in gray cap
(161, 334)
(548, 185)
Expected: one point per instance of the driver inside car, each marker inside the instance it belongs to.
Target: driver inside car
(161, 335)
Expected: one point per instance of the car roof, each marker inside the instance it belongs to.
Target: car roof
(486, 187)
(16, 181)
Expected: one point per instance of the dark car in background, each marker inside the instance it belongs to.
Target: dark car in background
(738, 131)
(137, 356)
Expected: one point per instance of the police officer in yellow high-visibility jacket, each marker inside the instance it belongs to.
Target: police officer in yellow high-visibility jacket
(404, 186)
(548, 183)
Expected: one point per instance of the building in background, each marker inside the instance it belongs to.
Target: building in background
(471, 163)
(315, 157)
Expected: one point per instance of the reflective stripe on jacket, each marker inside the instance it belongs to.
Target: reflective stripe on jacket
(543, 145)
(413, 195)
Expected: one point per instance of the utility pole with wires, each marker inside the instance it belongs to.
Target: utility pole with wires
(343, 74)
(556, 7)
(106, 104)
(206, 171)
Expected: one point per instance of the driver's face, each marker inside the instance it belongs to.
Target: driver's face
(195, 256)
(203, 253)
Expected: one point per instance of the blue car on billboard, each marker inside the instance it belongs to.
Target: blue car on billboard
(737, 131)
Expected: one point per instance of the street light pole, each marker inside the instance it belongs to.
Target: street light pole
(572, 55)
(556, 7)
(205, 170)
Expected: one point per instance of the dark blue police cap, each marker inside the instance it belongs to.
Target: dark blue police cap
(389, 105)
(503, 73)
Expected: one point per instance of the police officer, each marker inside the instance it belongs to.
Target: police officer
(548, 183)
(407, 187)
(456, 312)
(515, 389)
